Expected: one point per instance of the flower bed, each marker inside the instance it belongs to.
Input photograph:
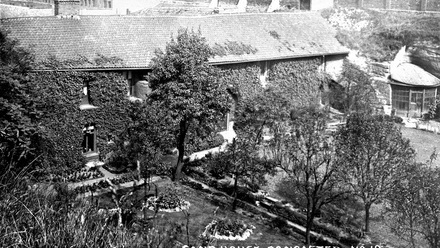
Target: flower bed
(78, 176)
(167, 202)
(227, 229)
(91, 188)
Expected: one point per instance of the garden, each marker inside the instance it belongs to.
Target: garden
(331, 185)
(196, 216)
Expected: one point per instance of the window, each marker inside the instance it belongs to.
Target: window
(263, 73)
(89, 138)
(412, 102)
(138, 87)
(429, 98)
(400, 100)
(85, 100)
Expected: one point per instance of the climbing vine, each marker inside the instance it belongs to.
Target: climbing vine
(233, 48)
(244, 83)
(58, 95)
(298, 79)
(290, 84)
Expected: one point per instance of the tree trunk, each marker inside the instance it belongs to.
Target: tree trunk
(412, 234)
(309, 222)
(308, 229)
(234, 203)
(181, 149)
(367, 217)
(178, 170)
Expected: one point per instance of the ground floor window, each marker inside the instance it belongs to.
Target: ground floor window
(410, 101)
(89, 138)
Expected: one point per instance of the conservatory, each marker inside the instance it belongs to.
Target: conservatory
(413, 90)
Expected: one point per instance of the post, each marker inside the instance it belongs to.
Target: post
(387, 4)
(423, 5)
(213, 4)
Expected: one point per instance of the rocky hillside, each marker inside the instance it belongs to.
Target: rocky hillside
(379, 35)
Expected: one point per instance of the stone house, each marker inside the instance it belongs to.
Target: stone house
(126, 45)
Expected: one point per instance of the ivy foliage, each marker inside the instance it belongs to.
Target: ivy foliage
(58, 94)
(290, 84)
(100, 60)
(243, 83)
(298, 80)
(233, 48)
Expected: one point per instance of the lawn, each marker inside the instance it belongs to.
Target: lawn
(203, 210)
(424, 143)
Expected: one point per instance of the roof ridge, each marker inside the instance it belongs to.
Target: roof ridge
(163, 16)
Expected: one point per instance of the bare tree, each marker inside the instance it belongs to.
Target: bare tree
(244, 161)
(307, 155)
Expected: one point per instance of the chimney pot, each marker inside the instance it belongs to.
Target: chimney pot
(242, 5)
(67, 7)
(274, 6)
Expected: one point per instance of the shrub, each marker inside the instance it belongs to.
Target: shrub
(434, 109)
(279, 222)
(388, 118)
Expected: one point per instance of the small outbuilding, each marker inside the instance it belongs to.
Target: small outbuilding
(413, 89)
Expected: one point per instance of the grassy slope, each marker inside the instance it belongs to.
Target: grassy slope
(423, 142)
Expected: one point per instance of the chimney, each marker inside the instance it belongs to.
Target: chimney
(274, 6)
(67, 7)
(241, 6)
(213, 4)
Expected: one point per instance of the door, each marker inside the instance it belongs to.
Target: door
(416, 104)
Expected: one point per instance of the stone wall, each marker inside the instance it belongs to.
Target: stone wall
(413, 5)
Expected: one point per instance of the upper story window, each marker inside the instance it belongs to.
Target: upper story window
(263, 73)
(85, 99)
(138, 88)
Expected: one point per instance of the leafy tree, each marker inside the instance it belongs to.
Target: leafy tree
(263, 111)
(414, 205)
(186, 86)
(357, 93)
(142, 143)
(403, 207)
(244, 161)
(307, 155)
(19, 135)
(374, 156)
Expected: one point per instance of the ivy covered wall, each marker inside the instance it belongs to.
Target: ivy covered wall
(58, 94)
(243, 81)
(299, 79)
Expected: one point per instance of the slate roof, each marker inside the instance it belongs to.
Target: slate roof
(411, 75)
(133, 39)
